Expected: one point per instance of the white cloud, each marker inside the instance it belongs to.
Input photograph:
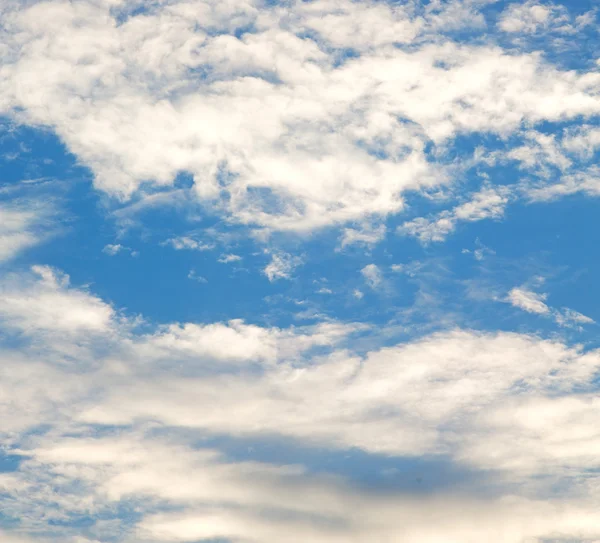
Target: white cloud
(480, 252)
(528, 301)
(489, 203)
(12, 538)
(567, 156)
(533, 302)
(23, 224)
(195, 277)
(584, 141)
(281, 266)
(213, 498)
(281, 130)
(112, 250)
(226, 259)
(45, 303)
(527, 17)
(586, 181)
(376, 403)
(360, 25)
(185, 242)
(570, 317)
(513, 403)
(533, 17)
(372, 275)
(367, 235)
(275, 130)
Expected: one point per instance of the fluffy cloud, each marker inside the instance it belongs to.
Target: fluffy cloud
(275, 127)
(533, 17)
(527, 17)
(398, 400)
(122, 427)
(45, 303)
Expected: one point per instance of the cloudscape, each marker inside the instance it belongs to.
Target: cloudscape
(299, 271)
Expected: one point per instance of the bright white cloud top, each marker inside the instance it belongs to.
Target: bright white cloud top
(299, 271)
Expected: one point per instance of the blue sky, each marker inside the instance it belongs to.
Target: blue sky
(299, 271)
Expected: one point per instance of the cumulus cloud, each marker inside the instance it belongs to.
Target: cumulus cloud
(514, 404)
(275, 130)
(527, 17)
(533, 17)
(44, 302)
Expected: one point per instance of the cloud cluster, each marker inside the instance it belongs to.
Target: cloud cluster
(124, 418)
(288, 117)
(533, 17)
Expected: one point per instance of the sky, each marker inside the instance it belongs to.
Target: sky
(296, 271)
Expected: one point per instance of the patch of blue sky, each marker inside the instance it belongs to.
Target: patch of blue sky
(240, 289)
(9, 462)
(375, 472)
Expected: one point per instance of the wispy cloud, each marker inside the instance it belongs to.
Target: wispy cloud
(193, 275)
(489, 203)
(23, 224)
(186, 242)
(228, 258)
(528, 301)
(533, 302)
(281, 266)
